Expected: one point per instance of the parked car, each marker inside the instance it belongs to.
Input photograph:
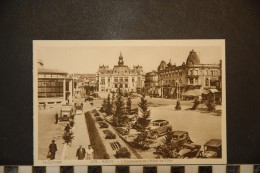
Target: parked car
(66, 113)
(158, 128)
(79, 105)
(103, 125)
(109, 134)
(99, 119)
(190, 151)
(121, 130)
(213, 149)
(180, 138)
(89, 98)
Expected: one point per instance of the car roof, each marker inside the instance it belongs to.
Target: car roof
(191, 145)
(179, 132)
(66, 109)
(213, 143)
(158, 121)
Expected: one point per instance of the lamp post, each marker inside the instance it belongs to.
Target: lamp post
(178, 89)
(162, 88)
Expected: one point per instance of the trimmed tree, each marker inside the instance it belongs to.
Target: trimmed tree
(104, 106)
(144, 118)
(141, 141)
(108, 105)
(129, 105)
(210, 103)
(119, 118)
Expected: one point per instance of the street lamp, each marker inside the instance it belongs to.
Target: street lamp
(162, 88)
(178, 89)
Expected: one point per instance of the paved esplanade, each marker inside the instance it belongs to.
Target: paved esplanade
(81, 135)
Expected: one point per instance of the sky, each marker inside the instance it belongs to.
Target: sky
(86, 59)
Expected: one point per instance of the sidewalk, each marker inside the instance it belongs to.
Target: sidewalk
(81, 136)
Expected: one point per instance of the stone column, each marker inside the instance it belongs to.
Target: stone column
(64, 89)
(70, 91)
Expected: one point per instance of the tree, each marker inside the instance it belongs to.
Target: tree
(104, 106)
(119, 118)
(178, 105)
(129, 105)
(210, 103)
(144, 118)
(196, 103)
(108, 105)
(142, 141)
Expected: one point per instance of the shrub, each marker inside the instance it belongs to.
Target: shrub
(110, 135)
(68, 137)
(123, 153)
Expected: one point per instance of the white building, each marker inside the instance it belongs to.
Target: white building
(121, 76)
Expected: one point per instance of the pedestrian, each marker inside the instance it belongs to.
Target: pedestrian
(67, 128)
(90, 153)
(56, 118)
(52, 150)
(81, 153)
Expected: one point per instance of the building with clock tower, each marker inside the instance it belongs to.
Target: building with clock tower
(121, 76)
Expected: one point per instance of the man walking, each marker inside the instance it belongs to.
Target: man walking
(56, 118)
(53, 149)
(90, 153)
(81, 152)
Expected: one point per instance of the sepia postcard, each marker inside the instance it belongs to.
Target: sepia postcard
(129, 102)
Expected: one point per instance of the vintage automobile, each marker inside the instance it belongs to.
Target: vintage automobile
(180, 138)
(103, 125)
(212, 149)
(98, 118)
(67, 112)
(89, 98)
(158, 128)
(190, 151)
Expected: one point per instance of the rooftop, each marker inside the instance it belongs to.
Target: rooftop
(213, 143)
(52, 71)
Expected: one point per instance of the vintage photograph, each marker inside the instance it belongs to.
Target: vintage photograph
(129, 102)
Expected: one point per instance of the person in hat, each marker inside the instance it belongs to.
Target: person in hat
(81, 152)
(52, 149)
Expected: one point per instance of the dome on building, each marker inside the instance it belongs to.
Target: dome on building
(162, 65)
(193, 58)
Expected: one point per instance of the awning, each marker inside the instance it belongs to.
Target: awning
(194, 92)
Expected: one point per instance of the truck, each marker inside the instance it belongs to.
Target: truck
(67, 113)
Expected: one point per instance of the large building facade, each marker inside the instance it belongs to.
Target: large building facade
(189, 79)
(121, 76)
(54, 86)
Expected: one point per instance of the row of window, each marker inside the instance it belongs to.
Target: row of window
(46, 95)
(118, 79)
(47, 83)
(206, 72)
(51, 76)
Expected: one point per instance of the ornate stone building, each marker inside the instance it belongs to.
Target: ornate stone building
(121, 76)
(151, 82)
(190, 79)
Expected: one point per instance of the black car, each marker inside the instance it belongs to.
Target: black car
(103, 125)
